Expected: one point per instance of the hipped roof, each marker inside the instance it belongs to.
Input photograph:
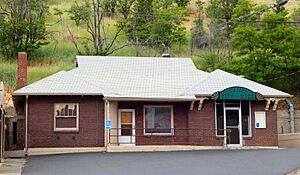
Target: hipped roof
(141, 78)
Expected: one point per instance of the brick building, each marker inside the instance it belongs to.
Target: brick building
(144, 101)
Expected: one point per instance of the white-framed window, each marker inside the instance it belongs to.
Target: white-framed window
(66, 117)
(158, 120)
(245, 107)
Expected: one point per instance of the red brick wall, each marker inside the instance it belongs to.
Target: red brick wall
(203, 124)
(20, 134)
(267, 136)
(41, 122)
(180, 122)
(205, 118)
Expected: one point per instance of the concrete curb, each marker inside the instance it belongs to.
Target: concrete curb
(12, 166)
(294, 172)
(161, 148)
(177, 148)
(50, 151)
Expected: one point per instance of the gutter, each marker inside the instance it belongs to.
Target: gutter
(162, 99)
(26, 125)
(292, 116)
(54, 94)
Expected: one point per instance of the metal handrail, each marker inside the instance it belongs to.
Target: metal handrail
(175, 136)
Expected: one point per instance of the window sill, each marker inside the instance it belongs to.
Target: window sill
(65, 130)
(222, 136)
(159, 134)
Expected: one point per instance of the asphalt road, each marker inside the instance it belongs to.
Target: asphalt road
(244, 162)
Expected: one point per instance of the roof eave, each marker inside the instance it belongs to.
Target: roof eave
(162, 99)
(55, 94)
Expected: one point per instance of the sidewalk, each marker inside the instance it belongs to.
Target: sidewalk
(12, 166)
(295, 172)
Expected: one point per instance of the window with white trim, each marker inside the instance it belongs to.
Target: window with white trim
(66, 117)
(158, 119)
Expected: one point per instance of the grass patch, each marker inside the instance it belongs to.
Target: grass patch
(9, 72)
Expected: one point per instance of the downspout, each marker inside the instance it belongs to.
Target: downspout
(97, 119)
(26, 125)
(106, 117)
(292, 116)
(2, 133)
(107, 134)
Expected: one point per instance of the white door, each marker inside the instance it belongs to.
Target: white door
(126, 125)
(233, 126)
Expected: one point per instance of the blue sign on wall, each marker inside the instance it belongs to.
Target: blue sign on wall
(107, 124)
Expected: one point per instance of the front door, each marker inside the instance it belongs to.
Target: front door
(233, 129)
(126, 125)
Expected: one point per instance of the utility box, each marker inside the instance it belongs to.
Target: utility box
(260, 119)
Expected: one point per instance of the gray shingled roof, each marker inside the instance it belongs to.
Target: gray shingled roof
(219, 80)
(61, 83)
(141, 78)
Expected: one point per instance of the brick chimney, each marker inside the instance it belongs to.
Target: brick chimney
(22, 69)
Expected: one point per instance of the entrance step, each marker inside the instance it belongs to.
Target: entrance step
(14, 154)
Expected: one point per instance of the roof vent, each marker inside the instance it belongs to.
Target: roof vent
(166, 53)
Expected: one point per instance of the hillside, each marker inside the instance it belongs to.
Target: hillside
(60, 53)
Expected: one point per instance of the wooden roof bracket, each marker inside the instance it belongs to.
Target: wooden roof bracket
(276, 103)
(201, 102)
(268, 102)
(192, 105)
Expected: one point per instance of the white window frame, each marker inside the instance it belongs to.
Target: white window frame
(250, 120)
(216, 123)
(172, 119)
(77, 118)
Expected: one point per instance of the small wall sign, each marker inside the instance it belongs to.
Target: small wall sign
(107, 124)
(260, 119)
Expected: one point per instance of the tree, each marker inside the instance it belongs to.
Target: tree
(267, 51)
(109, 7)
(138, 27)
(246, 35)
(125, 7)
(182, 3)
(156, 23)
(167, 28)
(220, 12)
(199, 37)
(101, 40)
(22, 26)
